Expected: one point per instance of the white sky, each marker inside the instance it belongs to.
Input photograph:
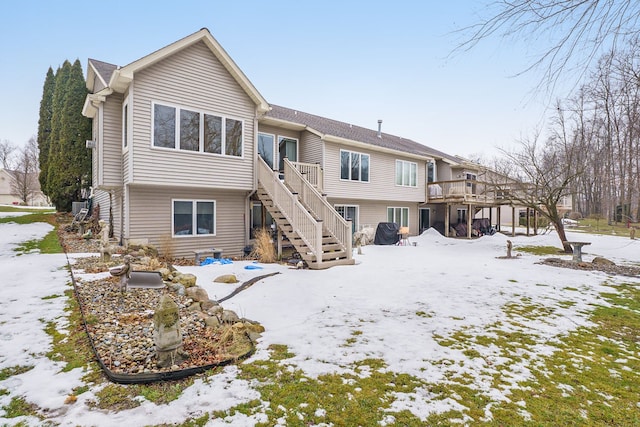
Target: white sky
(460, 284)
(355, 62)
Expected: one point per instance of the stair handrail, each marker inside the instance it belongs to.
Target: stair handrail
(311, 197)
(302, 222)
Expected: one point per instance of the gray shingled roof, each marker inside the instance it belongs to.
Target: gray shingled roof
(104, 69)
(355, 133)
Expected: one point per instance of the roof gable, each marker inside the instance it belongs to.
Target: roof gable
(98, 70)
(121, 77)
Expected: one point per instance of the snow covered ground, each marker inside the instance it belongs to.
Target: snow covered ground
(399, 298)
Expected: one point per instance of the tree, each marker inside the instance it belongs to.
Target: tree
(69, 162)
(577, 30)
(44, 127)
(541, 175)
(6, 149)
(24, 182)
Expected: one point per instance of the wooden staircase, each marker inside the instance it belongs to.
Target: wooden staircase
(317, 232)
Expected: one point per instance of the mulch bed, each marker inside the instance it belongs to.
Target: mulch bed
(614, 269)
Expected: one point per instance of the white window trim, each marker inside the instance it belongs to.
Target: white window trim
(435, 171)
(194, 221)
(406, 163)
(400, 207)
(275, 154)
(340, 166)
(126, 121)
(176, 142)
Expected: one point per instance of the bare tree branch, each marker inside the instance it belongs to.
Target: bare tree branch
(6, 150)
(24, 183)
(578, 31)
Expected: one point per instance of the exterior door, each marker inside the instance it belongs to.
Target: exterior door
(349, 212)
(425, 220)
(287, 147)
(266, 148)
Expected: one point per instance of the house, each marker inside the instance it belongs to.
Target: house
(31, 188)
(188, 155)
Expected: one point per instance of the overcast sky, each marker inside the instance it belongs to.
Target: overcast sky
(356, 61)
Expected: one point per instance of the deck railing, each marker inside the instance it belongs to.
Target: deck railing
(311, 197)
(468, 190)
(312, 172)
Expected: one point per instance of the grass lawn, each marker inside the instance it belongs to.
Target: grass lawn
(592, 378)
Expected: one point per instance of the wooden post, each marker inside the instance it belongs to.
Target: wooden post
(279, 240)
(469, 220)
(528, 224)
(535, 222)
(498, 217)
(513, 221)
(447, 212)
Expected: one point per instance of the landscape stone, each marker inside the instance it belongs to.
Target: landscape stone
(229, 316)
(197, 294)
(226, 278)
(602, 261)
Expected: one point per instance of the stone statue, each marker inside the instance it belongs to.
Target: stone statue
(105, 247)
(509, 247)
(167, 335)
(123, 271)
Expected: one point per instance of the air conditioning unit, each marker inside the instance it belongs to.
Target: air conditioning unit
(90, 144)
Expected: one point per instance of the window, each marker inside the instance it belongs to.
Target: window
(265, 148)
(431, 172)
(349, 212)
(194, 215)
(406, 173)
(164, 126)
(398, 215)
(125, 125)
(212, 134)
(354, 166)
(233, 138)
(462, 215)
(191, 130)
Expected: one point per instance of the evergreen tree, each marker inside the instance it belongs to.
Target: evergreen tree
(44, 127)
(69, 162)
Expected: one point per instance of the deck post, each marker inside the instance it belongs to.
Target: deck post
(528, 222)
(513, 221)
(447, 213)
(469, 220)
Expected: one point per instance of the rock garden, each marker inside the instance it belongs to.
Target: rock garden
(143, 335)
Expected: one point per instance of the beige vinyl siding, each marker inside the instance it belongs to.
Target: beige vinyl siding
(310, 148)
(443, 171)
(279, 131)
(150, 218)
(382, 177)
(96, 153)
(371, 213)
(101, 198)
(111, 167)
(192, 78)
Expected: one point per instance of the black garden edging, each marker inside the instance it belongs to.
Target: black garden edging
(147, 378)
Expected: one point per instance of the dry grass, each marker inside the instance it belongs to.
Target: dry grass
(166, 247)
(263, 248)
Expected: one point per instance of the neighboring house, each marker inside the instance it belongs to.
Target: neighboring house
(188, 155)
(7, 196)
